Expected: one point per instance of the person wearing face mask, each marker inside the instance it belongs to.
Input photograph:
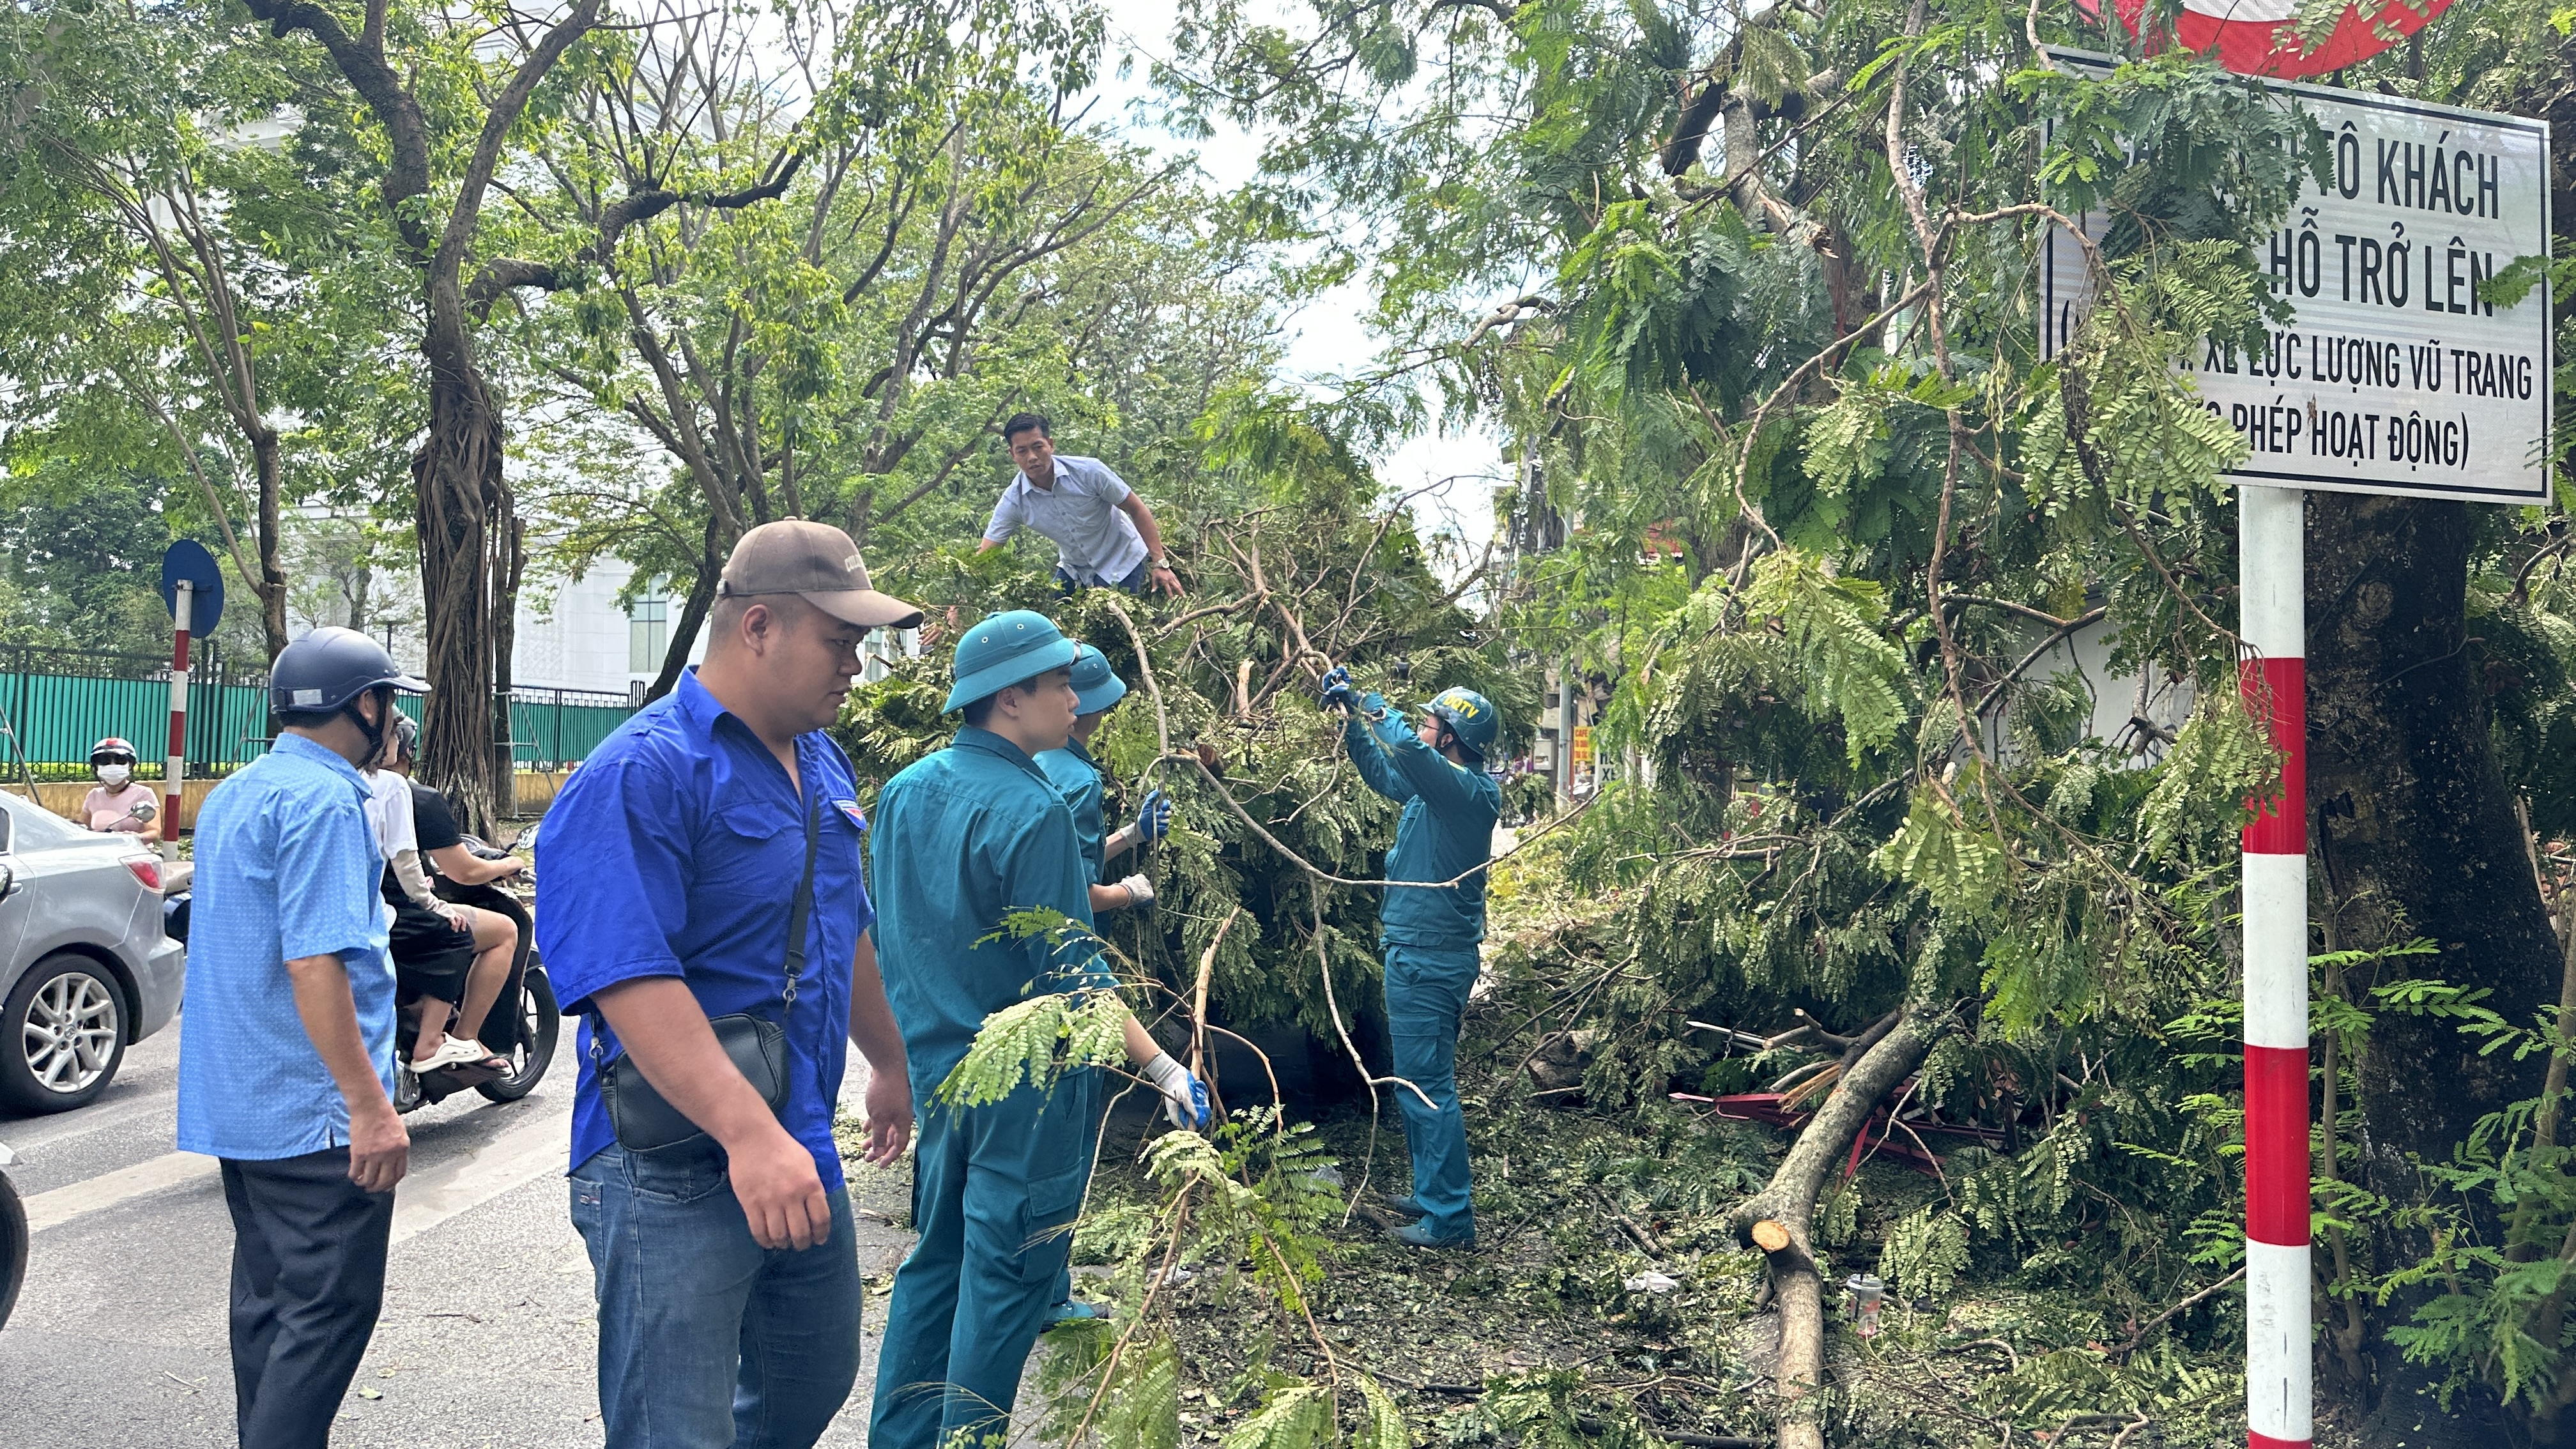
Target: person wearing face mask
(120, 803)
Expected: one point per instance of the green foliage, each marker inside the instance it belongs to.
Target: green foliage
(1924, 1254)
(1296, 1417)
(1833, 626)
(1382, 1424)
(2220, 755)
(1037, 1041)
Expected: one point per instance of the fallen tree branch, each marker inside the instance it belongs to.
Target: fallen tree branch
(1587, 1423)
(1777, 1219)
(1198, 1005)
(2168, 1316)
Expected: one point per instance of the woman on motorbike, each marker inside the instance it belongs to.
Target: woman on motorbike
(453, 957)
(120, 803)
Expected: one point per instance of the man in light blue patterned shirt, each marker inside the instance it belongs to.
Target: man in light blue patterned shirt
(286, 1051)
(1105, 537)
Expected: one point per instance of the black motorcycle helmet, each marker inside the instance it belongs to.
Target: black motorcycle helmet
(325, 672)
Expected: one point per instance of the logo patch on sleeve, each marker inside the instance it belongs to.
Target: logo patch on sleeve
(851, 808)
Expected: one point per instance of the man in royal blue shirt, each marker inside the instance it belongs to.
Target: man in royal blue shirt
(286, 1052)
(725, 1268)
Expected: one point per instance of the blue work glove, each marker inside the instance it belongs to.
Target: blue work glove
(1185, 1098)
(1337, 690)
(1154, 817)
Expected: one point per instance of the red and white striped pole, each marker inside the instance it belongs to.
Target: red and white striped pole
(174, 772)
(2274, 622)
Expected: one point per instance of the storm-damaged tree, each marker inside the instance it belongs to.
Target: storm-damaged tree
(1771, 276)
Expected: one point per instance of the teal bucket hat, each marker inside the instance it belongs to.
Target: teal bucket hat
(1008, 648)
(1095, 683)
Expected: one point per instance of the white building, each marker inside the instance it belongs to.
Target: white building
(576, 635)
(572, 634)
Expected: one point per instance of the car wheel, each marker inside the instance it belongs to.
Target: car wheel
(62, 1035)
(540, 1026)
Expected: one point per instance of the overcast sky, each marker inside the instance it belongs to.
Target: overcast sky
(1326, 336)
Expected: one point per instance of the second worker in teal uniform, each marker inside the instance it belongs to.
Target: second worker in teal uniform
(964, 838)
(1096, 688)
(1430, 932)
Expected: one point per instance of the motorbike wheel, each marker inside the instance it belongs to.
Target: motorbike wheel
(540, 1023)
(13, 1246)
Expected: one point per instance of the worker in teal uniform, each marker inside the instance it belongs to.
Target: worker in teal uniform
(1096, 687)
(1430, 932)
(964, 838)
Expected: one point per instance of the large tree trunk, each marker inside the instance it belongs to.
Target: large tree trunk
(2415, 835)
(509, 535)
(693, 614)
(455, 475)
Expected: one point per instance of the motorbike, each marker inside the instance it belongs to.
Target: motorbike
(13, 1236)
(525, 1037)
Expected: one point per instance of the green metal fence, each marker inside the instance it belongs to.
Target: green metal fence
(61, 701)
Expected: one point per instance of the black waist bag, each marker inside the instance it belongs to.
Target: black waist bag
(642, 1118)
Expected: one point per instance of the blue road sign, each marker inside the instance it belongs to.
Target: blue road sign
(188, 560)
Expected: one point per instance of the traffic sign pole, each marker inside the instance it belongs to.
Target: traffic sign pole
(174, 775)
(2273, 676)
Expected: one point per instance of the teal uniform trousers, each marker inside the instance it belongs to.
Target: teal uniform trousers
(994, 1194)
(1077, 776)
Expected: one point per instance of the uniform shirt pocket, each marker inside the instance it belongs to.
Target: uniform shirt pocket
(746, 845)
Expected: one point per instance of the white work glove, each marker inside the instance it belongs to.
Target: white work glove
(1140, 891)
(1185, 1098)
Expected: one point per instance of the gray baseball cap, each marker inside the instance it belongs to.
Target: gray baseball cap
(817, 563)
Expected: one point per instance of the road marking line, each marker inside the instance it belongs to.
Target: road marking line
(461, 1184)
(27, 1136)
(55, 1208)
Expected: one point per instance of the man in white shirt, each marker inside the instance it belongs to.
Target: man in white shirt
(1105, 536)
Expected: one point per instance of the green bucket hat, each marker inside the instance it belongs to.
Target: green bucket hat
(1008, 648)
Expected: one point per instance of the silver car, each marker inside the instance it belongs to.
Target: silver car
(85, 968)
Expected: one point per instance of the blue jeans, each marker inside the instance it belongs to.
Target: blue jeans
(1135, 583)
(706, 1339)
(1426, 998)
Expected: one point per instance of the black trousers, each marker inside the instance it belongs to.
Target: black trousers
(308, 1279)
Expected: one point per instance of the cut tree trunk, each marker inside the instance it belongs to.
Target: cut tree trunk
(1777, 1219)
(2415, 835)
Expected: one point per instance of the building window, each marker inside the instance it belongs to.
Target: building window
(648, 628)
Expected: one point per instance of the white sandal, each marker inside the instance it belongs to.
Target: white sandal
(452, 1052)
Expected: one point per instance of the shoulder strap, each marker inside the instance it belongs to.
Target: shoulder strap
(801, 912)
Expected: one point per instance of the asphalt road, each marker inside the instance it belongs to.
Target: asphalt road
(488, 1333)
